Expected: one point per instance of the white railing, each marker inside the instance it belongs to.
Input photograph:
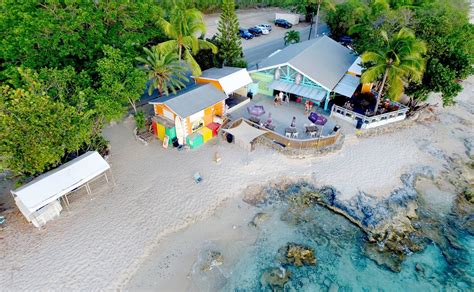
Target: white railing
(373, 121)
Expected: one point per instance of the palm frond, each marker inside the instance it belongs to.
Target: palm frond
(193, 65)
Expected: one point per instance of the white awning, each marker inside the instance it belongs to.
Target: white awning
(305, 91)
(356, 67)
(245, 134)
(348, 85)
(234, 81)
(56, 183)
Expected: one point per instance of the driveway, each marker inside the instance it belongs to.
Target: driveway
(257, 49)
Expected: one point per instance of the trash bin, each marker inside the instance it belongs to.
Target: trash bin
(336, 128)
(229, 138)
(359, 124)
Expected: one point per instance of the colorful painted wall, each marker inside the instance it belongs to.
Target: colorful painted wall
(263, 81)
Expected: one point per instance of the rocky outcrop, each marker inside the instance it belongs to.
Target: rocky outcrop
(275, 278)
(297, 255)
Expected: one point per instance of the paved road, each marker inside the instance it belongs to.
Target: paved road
(256, 54)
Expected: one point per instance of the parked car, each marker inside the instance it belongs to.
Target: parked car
(266, 26)
(255, 31)
(245, 34)
(283, 23)
(263, 29)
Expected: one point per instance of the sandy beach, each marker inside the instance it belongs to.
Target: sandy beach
(105, 239)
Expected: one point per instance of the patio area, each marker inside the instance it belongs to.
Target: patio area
(282, 116)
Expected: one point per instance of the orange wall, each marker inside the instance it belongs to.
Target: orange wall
(159, 110)
(216, 83)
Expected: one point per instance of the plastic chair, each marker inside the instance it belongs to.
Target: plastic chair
(197, 178)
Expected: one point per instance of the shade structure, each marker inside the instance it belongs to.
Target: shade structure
(316, 94)
(348, 85)
(245, 134)
(56, 183)
(256, 110)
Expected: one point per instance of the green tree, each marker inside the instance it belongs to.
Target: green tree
(345, 15)
(397, 63)
(445, 27)
(183, 28)
(230, 49)
(121, 83)
(36, 130)
(291, 37)
(164, 71)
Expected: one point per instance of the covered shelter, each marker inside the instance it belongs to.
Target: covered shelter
(244, 134)
(39, 200)
(228, 79)
(311, 69)
(191, 115)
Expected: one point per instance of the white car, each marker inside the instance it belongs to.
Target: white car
(264, 29)
(265, 26)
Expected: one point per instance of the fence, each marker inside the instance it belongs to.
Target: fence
(318, 143)
(370, 122)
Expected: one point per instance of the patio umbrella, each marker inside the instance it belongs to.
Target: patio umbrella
(256, 110)
(317, 119)
(293, 122)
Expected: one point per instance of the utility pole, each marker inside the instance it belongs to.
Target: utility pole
(311, 27)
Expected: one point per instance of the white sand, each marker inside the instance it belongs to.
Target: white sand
(101, 242)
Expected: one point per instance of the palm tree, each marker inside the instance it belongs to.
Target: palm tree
(327, 4)
(183, 29)
(292, 37)
(164, 71)
(398, 62)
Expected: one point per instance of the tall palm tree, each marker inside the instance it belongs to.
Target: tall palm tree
(164, 71)
(183, 28)
(399, 61)
(292, 37)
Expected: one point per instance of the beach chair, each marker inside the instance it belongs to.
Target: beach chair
(197, 177)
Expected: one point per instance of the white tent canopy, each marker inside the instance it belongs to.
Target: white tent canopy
(54, 184)
(245, 134)
(232, 82)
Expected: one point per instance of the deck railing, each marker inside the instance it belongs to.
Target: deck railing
(277, 138)
(373, 121)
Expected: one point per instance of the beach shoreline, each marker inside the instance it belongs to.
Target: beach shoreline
(104, 240)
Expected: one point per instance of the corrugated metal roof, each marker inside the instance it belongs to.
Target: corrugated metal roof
(193, 100)
(217, 73)
(304, 91)
(348, 85)
(322, 59)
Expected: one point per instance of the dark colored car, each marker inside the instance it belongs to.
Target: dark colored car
(255, 31)
(245, 34)
(283, 23)
(345, 40)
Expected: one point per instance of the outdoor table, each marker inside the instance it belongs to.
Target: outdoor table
(310, 129)
(291, 130)
(270, 127)
(254, 120)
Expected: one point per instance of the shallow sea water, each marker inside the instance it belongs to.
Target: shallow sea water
(342, 264)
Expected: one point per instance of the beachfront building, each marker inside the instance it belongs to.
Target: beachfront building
(314, 70)
(194, 115)
(191, 117)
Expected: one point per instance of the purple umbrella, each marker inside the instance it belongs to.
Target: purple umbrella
(256, 110)
(317, 119)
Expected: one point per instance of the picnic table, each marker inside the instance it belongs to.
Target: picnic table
(291, 130)
(255, 120)
(311, 128)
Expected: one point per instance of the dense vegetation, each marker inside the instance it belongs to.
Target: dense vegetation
(443, 25)
(66, 69)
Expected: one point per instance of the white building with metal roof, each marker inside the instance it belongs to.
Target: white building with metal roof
(312, 69)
